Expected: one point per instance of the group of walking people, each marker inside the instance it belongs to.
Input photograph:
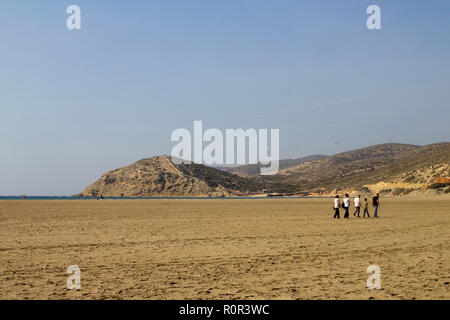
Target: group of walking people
(345, 204)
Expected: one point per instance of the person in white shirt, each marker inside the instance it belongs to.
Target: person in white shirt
(357, 206)
(346, 206)
(336, 206)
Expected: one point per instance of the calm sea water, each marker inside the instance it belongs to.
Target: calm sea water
(132, 198)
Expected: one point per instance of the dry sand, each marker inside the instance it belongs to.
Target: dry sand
(222, 249)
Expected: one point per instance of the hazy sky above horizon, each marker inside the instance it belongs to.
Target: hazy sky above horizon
(75, 104)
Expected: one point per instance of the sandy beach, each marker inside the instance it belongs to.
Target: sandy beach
(222, 249)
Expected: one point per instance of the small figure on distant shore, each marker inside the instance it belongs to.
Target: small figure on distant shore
(337, 205)
(376, 204)
(357, 206)
(346, 205)
(366, 208)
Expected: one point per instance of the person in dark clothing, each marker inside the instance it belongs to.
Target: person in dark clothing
(376, 204)
(336, 206)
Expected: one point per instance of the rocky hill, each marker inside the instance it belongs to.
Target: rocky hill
(426, 170)
(391, 168)
(160, 177)
(347, 164)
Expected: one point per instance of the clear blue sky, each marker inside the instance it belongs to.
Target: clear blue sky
(74, 104)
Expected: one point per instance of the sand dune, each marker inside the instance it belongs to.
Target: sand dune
(222, 249)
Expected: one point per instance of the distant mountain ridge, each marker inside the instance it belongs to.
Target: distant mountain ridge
(254, 169)
(391, 168)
